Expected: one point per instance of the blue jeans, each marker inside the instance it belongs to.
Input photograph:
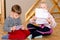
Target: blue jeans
(5, 37)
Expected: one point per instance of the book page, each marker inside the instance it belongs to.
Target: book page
(41, 13)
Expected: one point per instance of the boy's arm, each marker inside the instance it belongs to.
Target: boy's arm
(19, 21)
(6, 27)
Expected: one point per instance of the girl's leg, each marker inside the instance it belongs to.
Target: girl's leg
(46, 29)
(5, 37)
(31, 28)
(35, 33)
(30, 25)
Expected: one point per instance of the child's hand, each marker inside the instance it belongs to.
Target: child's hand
(49, 21)
(22, 27)
(13, 28)
(32, 20)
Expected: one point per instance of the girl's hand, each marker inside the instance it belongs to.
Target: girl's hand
(32, 20)
(49, 21)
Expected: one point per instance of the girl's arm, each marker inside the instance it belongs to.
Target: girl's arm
(52, 21)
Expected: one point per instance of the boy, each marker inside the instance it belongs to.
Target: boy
(12, 21)
(41, 29)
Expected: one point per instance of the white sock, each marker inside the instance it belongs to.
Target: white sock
(39, 36)
(30, 36)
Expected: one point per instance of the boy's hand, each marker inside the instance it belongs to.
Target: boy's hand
(13, 28)
(23, 27)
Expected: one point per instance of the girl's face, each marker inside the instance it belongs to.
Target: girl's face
(43, 6)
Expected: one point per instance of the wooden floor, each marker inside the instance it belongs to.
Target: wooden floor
(55, 35)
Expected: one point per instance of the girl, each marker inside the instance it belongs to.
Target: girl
(41, 29)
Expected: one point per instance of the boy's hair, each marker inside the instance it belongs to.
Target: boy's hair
(16, 8)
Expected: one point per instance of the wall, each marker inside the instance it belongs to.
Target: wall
(25, 5)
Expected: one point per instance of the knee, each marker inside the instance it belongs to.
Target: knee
(29, 25)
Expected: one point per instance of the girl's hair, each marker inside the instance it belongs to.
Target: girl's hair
(16, 8)
(43, 3)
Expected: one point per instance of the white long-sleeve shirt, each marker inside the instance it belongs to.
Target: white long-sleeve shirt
(53, 23)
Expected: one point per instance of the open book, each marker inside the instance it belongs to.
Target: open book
(18, 27)
(42, 15)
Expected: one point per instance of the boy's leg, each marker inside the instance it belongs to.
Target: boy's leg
(5, 37)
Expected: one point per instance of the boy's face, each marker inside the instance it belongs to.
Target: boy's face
(16, 15)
